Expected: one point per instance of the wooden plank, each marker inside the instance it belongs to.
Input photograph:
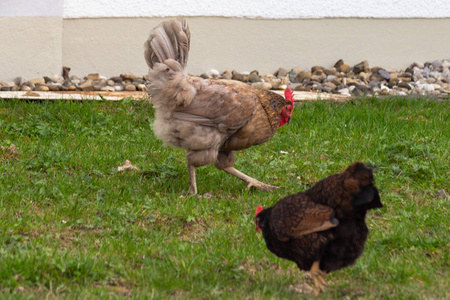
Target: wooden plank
(314, 96)
(77, 96)
(117, 96)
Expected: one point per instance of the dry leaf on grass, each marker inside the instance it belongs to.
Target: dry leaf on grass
(127, 166)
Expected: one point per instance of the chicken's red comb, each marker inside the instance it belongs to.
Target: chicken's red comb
(258, 210)
(289, 95)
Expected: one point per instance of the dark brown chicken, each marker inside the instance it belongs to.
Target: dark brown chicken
(322, 229)
(208, 118)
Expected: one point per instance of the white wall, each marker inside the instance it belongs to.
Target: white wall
(266, 9)
(31, 8)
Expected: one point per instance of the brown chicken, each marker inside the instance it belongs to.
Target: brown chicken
(208, 118)
(322, 229)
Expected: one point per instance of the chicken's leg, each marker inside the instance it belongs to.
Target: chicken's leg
(196, 158)
(250, 180)
(192, 180)
(225, 162)
(318, 276)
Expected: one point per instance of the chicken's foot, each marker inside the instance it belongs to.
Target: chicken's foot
(318, 276)
(250, 180)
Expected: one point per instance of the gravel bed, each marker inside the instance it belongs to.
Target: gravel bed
(429, 78)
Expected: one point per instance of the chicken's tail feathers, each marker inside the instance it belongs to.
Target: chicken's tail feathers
(168, 41)
(166, 52)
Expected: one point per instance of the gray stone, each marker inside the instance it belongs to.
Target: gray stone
(344, 68)
(67, 83)
(65, 73)
(437, 65)
(93, 76)
(446, 73)
(116, 79)
(128, 76)
(84, 82)
(360, 90)
(292, 76)
(53, 87)
(130, 88)
(262, 85)
(327, 89)
(296, 87)
(86, 87)
(227, 75)
(384, 74)
(344, 91)
(373, 84)
(316, 78)
(427, 87)
(405, 85)
(107, 89)
(331, 71)
(438, 87)
(235, 75)
(282, 72)
(42, 88)
(376, 77)
(330, 78)
(254, 78)
(25, 88)
(317, 70)
(55, 78)
(338, 64)
(275, 82)
(47, 79)
(330, 85)
(213, 73)
(17, 81)
(302, 75)
(361, 67)
(435, 74)
(37, 80)
(417, 64)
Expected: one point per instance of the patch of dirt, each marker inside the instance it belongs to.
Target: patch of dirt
(193, 231)
(7, 153)
(301, 288)
(254, 267)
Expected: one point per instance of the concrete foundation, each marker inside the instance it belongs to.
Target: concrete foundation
(111, 46)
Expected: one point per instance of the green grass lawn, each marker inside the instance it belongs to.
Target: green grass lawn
(72, 226)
